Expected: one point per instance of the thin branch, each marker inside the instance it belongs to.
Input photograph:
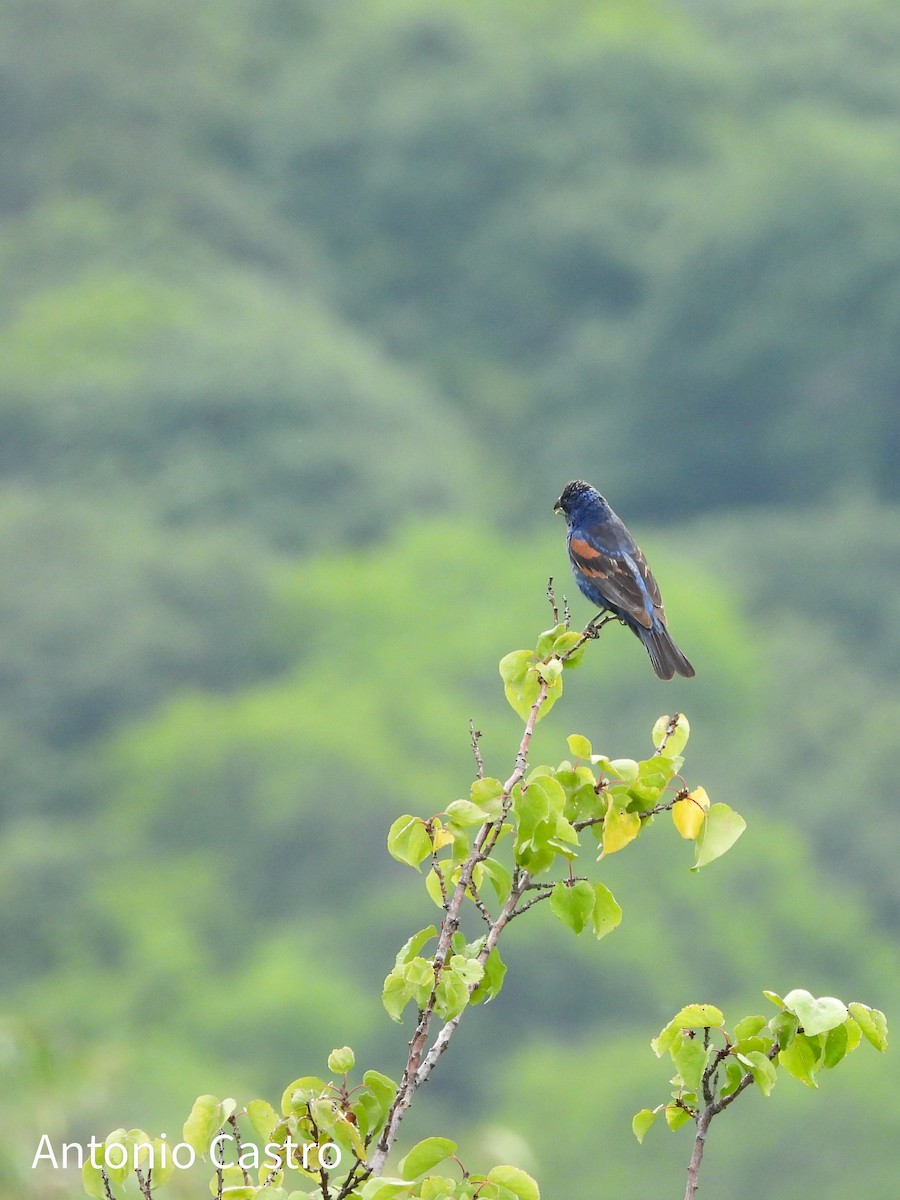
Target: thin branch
(419, 1064)
(442, 1040)
(588, 634)
(475, 736)
(552, 598)
(721, 1104)
(439, 873)
(239, 1147)
(545, 891)
(480, 905)
(670, 729)
(530, 904)
(588, 821)
(143, 1184)
(711, 1109)
(693, 1178)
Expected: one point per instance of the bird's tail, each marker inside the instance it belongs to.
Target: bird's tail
(667, 659)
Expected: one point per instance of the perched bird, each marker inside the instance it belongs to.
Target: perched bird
(612, 572)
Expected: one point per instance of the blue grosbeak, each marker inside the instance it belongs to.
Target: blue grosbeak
(611, 571)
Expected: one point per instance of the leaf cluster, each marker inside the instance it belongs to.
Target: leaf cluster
(807, 1035)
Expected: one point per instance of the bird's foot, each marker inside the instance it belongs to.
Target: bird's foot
(592, 629)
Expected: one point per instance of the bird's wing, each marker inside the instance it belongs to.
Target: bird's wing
(617, 568)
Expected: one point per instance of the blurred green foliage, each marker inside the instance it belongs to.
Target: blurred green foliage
(307, 311)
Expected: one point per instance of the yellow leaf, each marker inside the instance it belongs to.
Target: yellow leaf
(441, 837)
(690, 812)
(619, 828)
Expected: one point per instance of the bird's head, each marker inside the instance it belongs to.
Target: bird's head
(574, 495)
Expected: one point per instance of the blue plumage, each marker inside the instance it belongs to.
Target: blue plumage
(611, 571)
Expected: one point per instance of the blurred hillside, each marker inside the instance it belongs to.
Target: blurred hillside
(308, 308)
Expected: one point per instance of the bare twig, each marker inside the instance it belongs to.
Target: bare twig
(239, 1147)
(670, 729)
(439, 874)
(552, 598)
(480, 905)
(590, 631)
(475, 735)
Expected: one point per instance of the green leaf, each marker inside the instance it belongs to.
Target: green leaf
(872, 1022)
(546, 643)
(622, 768)
(435, 1187)
(775, 998)
(419, 978)
(341, 1061)
(487, 794)
(734, 1073)
(384, 1189)
(765, 1075)
(573, 905)
(463, 814)
(492, 980)
(410, 949)
(408, 841)
(579, 746)
(802, 1059)
(522, 684)
(395, 995)
(815, 1015)
(426, 1155)
(836, 1046)
(383, 1089)
(679, 730)
(698, 1016)
(204, 1121)
(607, 914)
(515, 666)
(721, 830)
(746, 1045)
(549, 671)
(162, 1172)
(854, 1034)
(676, 1116)
(469, 969)
(263, 1117)
(532, 809)
(235, 1188)
(452, 994)
(296, 1095)
(641, 1122)
(691, 1059)
(500, 878)
(522, 1186)
(433, 885)
(784, 1026)
(748, 1027)
(92, 1180)
(552, 790)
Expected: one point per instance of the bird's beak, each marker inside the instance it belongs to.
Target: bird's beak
(557, 507)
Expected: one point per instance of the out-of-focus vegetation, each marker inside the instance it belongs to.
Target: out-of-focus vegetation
(308, 308)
